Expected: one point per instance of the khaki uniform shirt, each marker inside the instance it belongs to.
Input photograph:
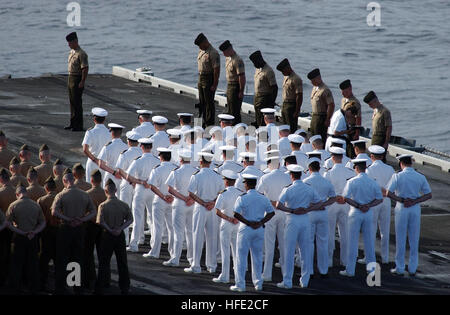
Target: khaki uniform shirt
(381, 119)
(6, 156)
(292, 85)
(83, 185)
(78, 59)
(24, 166)
(26, 214)
(35, 191)
(346, 102)
(18, 178)
(98, 196)
(234, 67)
(7, 196)
(264, 80)
(114, 213)
(59, 183)
(207, 60)
(45, 202)
(320, 98)
(73, 203)
(44, 171)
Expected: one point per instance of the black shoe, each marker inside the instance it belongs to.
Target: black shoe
(67, 127)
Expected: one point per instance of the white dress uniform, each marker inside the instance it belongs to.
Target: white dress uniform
(337, 123)
(338, 213)
(328, 164)
(306, 147)
(206, 184)
(95, 138)
(230, 165)
(297, 230)
(110, 154)
(302, 158)
(382, 173)
(228, 231)
(407, 184)
(251, 169)
(253, 206)
(272, 133)
(284, 146)
(161, 210)
(145, 129)
(319, 221)
(181, 214)
(143, 198)
(362, 156)
(160, 139)
(271, 185)
(362, 189)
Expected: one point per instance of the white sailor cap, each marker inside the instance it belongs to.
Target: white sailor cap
(376, 149)
(163, 150)
(403, 156)
(225, 117)
(185, 114)
(115, 126)
(336, 150)
(100, 112)
(249, 176)
(296, 138)
(214, 130)
(198, 129)
(359, 161)
(314, 154)
(312, 160)
(247, 155)
(240, 125)
(358, 141)
(270, 158)
(299, 131)
(174, 133)
(185, 154)
(337, 140)
(283, 127)
(227, 148)
(315, 137)
(161, 120)
(145, 140)
(277, 152)
(133, 135)
(229, 174)
(268, 111)
(295, 168)
(144, 112)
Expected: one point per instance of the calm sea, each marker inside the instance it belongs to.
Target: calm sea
(405, 60)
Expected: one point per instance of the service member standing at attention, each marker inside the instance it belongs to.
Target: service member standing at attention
(362, 194)
(26, 220)
(34, 190)
(235, 73)
(114, 216)
(25, 160)
(5, 154)
(292, 95)
(78, 71)
(145, 128)
(408, 188)
(58, 170)
(381, 121)
(349, 100)
(253, 210)
(95, 139)
(16, 177)
(322, 104)
(74, 207)
(160, 138)
(78, 173)
(208, 78)
(45, 169)
(266, 88)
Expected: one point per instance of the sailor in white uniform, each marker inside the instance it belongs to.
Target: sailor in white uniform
(162, 203)
(248, 159)
(360, 150)
(296, 142)
(336, 142)
(362, 194)
(138, 174)
(182, 208)
(382, 174)
(226, 123)
(318, 146)
(408, 188)
(271, 185)
(253, 210)
(228, 224)
(184, 120)
(94, 140)
(306, 145)
(338, 175)
(175, 144)
(145, 128)
(317, 155)
(284, 144)
(108, 156)
(338, 125)
(297, 200)
(228, 156)
(204, 187)
(271, 128)
(215, 142)
(160, 138)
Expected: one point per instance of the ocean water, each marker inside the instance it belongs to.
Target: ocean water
(405, 60)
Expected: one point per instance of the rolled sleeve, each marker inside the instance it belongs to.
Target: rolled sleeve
(84, 63)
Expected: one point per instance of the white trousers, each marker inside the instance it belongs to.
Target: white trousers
(182, 229)
(357, 222)
(142, 199)
(126, 195)
(298, 230)
(338, 215)
(382, 220)
(161, 218)
(249, 239)
(407, 223)
(204, 224)
(228, 240)
(319, 233)
(274, 229)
